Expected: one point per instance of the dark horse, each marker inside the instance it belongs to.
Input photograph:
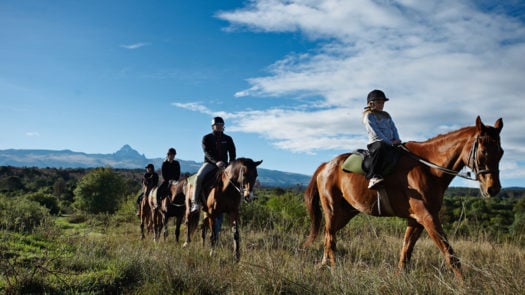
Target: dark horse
(413, 191)
(174, 206)
(225, 195)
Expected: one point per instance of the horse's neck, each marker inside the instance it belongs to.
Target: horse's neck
(226, 177)
(446, 150)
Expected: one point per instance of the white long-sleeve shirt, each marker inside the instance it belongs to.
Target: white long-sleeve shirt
(380, 127)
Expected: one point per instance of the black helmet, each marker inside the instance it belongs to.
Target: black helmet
(376, 95)
(150, 166)
(217, 120)
(172, 151)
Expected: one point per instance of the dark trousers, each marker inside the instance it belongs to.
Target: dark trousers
(381, 156)
(163, 190)
(139, 198)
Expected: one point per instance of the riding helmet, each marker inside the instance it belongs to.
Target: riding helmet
(376, 95)
(150, 166)
(172, 151)
(217, 120)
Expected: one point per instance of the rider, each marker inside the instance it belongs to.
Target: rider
(382, 135)
(149, 181)
(170, 172)
(217, 146)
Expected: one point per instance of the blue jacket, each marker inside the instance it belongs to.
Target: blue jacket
(380, 127)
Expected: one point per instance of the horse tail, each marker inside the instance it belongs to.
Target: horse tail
(312, 199)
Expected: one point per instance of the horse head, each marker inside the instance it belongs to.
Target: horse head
(485, 155)
(243, 173)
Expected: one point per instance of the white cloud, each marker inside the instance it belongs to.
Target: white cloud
(135, 45)
(32, 134)
(442, 63)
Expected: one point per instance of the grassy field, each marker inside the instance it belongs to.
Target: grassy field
(104, 255)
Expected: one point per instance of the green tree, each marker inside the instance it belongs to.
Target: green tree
(100, 191)
(45, 199)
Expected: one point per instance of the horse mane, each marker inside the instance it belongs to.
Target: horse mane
(446, 136)
(443, 140)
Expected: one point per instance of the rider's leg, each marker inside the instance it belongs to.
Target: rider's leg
(201, 174)
(139, 200)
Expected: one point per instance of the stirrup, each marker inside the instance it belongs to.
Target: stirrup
(195, 207)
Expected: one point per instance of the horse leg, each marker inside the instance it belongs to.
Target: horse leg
(157, 225)
(192, 221)
(412, 234)
(337, 213)
(213, 236)
(435, 230)
(236, 241)
(142, 236)
(204, 229)
(165, 225)
(177, 227)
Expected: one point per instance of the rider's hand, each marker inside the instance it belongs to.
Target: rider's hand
(221, 164)
(396, 142)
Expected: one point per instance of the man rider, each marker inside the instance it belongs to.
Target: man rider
(217, 146)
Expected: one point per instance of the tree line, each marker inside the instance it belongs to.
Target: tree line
(54, 191)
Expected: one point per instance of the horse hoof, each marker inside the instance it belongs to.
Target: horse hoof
(185, 245)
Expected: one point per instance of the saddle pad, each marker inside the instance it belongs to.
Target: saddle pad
(191, 179)
(354, 164)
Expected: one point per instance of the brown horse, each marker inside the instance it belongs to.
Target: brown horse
(145, 215)
(157, 215)
(174, 206)
(414, 191)
(232, 185)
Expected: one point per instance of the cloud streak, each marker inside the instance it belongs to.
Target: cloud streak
(135, 45)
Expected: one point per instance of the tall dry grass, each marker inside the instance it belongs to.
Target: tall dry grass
(109, 258)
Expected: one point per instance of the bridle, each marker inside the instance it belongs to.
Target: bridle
(472, 158)
(240, 188)
(475, 163)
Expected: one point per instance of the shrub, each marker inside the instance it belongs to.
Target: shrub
(46, 200)
(21, 214)
(100, 191)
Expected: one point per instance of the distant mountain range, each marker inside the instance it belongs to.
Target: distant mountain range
(126, 158)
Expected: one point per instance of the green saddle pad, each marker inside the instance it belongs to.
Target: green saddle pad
(191, 179)
(354, 164)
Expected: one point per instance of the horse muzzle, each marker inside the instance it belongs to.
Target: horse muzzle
(249, 196)
(489, 186)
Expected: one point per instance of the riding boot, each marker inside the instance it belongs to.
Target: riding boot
(195, 202)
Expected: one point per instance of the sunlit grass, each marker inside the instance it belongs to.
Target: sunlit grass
(109, 257)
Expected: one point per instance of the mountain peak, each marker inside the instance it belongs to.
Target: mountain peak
(128, 152)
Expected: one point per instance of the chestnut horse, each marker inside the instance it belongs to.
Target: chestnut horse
(145, 215)
(232, 185)
(414, 190)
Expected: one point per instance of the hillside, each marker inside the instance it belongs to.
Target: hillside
(126, 158)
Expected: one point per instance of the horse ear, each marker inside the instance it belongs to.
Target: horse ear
(499, 125)
(479, 124)
(258, 163)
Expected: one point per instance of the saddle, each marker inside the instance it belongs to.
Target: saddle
(210, 179)
(359, 162)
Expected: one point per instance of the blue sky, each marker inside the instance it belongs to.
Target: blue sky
(289, 77)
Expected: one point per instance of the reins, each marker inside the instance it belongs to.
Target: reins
(444, 169)
(239, 189)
